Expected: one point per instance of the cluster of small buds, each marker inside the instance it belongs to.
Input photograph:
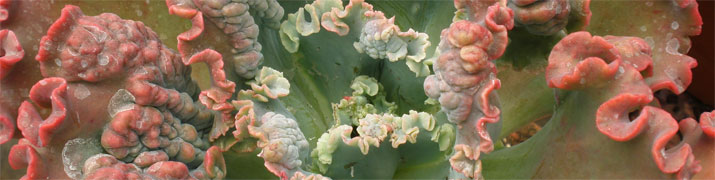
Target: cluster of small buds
(382, 39)
(283, 144)
(235, 19)
(104, 166)
(379, 37)
(548, 17)
(152, 121)
(361, 125)
(464, 78)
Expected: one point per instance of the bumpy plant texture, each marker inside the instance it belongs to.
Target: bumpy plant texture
(331, 89)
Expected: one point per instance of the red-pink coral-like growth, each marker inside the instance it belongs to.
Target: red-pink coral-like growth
(611, 68)
(576, 54)
(465, 78)
(154, 122)
(49, 92)
(193, 51)
(4, 9)
(10, 53)
(702, 143)
(236, 22)
(671, 67)
(665, 127)
(108, 167)
(634, 52)
(23, 155)
(707, 123)
(7, 126)
(38, 133)
(222, 89)
(217, 97)
(548, 17)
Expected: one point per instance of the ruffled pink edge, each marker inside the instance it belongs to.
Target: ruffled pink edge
(54, 33)
(498, 20)
(49, 92)
(331, 20)
(581, 14)
(224, 88)
(707, 123)
(566, 69)
(7, 126)
(612, 119)
(692, 134)
(677, 82)
(4, 11)
(23, 155)
(11, 50)
(685, 77)
(12, 53)
(665, 127)
(215, 98)
(214, 159)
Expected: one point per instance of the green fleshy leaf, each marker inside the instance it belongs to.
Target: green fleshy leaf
(246, 166)
(364, 85)
(348, 162)
(444, 136)
(570, 146)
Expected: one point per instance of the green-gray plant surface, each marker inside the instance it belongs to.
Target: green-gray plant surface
(348, 89)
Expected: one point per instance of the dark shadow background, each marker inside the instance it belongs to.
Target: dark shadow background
(703, 86)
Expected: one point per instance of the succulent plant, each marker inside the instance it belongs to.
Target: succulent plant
(267, 89)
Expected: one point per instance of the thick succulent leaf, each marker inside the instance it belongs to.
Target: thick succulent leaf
(365, 126)
(415, 164)
(664, 25)
(42, 15)
(270, 83)
(307, 100)
(81, 109)
(524, 87)
(465, 79)
(320, 72)
(312, 116)
(247, 166)
(12, 53)
(702, 144)
(601, 75)
(539, 100)
(551, 16)
(570, 146)
(349, 162)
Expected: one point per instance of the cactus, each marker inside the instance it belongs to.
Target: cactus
(358, 89)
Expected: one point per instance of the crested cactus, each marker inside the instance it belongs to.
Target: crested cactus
(356, 89)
